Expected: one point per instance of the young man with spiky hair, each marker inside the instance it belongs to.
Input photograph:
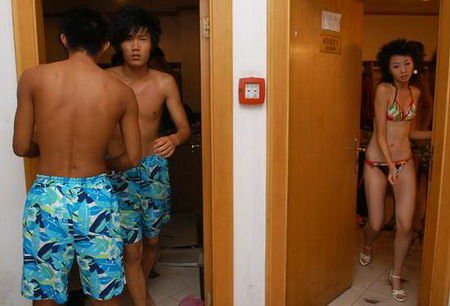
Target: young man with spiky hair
(143, 192)
(67, 112)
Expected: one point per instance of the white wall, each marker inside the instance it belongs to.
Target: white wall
(12, 180)
(249, 155)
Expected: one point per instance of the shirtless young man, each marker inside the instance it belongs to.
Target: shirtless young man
(72, 108)
(143, 192)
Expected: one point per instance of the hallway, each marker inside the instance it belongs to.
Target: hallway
(370, 284)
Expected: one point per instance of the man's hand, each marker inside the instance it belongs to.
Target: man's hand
(165, 146)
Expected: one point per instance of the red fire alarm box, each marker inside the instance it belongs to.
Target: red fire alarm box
(252, 90)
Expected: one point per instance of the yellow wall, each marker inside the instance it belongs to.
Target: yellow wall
(180, 42)
(379, 29)
(170, 40)
(54, 48)
(190, 58)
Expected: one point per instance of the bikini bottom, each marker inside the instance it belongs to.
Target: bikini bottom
(384, 167)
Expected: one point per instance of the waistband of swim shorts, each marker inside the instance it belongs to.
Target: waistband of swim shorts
(82, 181)
(153, 158)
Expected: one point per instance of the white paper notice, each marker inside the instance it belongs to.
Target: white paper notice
(331, 21)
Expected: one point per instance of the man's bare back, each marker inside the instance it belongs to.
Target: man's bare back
(152, 89)
(76, 106)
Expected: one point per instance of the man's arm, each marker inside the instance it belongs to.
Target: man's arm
(23, 144)
(130, 137)
(165, 146)
(116, 158)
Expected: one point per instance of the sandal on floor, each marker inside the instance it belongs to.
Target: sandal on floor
(398, 295)
(364, 259)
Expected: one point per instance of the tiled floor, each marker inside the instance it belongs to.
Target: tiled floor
(370, 284)
(172, 285)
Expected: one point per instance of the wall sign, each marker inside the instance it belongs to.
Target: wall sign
(331, 21)
(330, 43)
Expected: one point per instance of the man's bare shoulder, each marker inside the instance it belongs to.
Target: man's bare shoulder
(165, 80)
(35, 75)
(115, 71)
(161, 76)
(117, 80)
(39, 70)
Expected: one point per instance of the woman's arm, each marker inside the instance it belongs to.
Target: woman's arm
(417, 130)
(381, 102)
(420, 135)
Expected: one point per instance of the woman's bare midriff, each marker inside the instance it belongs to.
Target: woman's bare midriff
(397, 136)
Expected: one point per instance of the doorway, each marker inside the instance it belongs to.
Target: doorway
(281, 36)
(384, 22)
(216, 137)
(181, 240)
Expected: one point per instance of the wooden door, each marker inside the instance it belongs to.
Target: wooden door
(323, 124)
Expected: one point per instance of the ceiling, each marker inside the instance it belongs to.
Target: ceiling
(110, 6)
(404, 7)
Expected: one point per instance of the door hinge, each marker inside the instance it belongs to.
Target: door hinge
(209, 299)
(205, 27)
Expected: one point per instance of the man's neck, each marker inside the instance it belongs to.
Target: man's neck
(135, 73)
(81, 56)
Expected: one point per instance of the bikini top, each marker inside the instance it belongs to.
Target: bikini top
(395, 112)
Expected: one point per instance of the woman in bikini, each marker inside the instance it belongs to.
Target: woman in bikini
(389, 156)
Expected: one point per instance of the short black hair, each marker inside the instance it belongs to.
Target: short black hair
(85, 30)
(403, 47)
(130, 21)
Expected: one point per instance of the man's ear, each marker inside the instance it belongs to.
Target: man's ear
(63, 39)
(105, 47)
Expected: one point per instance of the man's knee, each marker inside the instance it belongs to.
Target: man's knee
(133, 252)
(151, 241)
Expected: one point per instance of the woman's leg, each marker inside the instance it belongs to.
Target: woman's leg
(375, 184)
(405, 197)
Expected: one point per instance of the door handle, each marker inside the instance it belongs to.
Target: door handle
(195, 146)
(357, 149)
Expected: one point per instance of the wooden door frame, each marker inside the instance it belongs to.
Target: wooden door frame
(278, 58)
(217, 131)
(435, 279)
(217, 152)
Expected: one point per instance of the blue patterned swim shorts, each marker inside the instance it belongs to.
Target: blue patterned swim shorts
(143, 193)
(67, 218)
